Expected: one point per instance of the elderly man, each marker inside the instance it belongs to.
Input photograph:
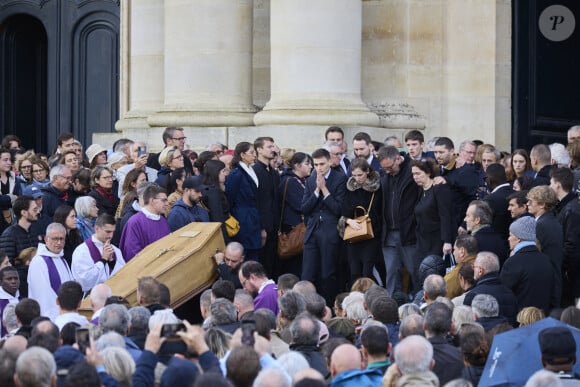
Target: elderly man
(305, 332)
(35, 367)
(96, 259)
(400, 196)
(97, 298)
(573, 133)
(56, 192)
(229, 262)
(486, 275)
(148, 225)
(336, 134)
(414, 361)
(486, 311)
(528, 272)
(116, 318)
(48, 270)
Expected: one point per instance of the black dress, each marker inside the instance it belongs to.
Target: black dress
(434, 221)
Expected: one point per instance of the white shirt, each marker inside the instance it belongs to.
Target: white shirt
(39, 282)
(4, 295)
(62, 319)
(250, 172)
(88, 273)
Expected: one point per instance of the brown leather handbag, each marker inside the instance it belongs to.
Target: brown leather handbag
(366, 232)
(291, 243)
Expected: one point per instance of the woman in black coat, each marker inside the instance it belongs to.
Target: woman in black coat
(363, 189)
(214, 198)
(435, 233)
(291, 188)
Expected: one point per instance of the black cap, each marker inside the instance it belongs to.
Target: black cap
(557, 343)
(193, 182)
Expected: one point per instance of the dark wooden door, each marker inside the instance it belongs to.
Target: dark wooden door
(546, 70)
(59, 69)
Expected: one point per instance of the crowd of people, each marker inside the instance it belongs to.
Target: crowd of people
(460, 246)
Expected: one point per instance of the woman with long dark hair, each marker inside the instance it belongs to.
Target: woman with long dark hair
(435, 233)
(67, 216)
(177, 178)
(214, 178)
(363, 188)
(241, 190)
(129, 190)
(292, 184)
(521, 164)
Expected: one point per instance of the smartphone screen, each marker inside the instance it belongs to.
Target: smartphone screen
(83, 340)
(141, 151)
(169, 331)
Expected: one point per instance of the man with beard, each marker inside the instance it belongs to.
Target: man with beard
(187, 209)
(363, 148)
(172, 136)
(254, 280)
(229, 262)
(19, 236)
(9, 282)
(268, 201)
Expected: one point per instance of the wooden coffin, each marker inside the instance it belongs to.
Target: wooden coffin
(182, 261)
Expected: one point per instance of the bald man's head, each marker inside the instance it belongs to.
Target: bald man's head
(16, 343)
(345, 357)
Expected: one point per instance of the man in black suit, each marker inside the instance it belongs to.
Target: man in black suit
(172, 136)
(518, 204)
(363, 148)
(568, 214)
(541, 202)
(336, 134)
(322, 206)
(541, 160)
(478, 218)
(497, 199)
(268, 202)
(463, 180)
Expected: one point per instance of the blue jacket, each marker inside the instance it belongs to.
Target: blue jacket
(358, 378)
(181, 214)
(242, 194)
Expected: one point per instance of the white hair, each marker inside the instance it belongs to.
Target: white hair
(353, 306)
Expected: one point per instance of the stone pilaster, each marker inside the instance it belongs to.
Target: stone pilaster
(316, 64)
(142, 56)
(208, 64)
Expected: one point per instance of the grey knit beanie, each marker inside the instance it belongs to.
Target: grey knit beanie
(524, 228)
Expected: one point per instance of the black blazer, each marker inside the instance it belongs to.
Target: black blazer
(268, 199)
(490, 240)
(323, 213)
(526, 274)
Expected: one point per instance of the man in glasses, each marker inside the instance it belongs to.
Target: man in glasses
(148, 225)
(57, 192)
(48, 270)
(172, 136)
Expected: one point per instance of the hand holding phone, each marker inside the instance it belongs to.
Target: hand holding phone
(83, 340)
(169, 331)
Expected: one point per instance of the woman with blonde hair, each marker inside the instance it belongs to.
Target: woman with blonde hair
(362, 284)
(529, 315)
(170, 159)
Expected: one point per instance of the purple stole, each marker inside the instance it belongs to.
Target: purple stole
(53, 275)
(96, 254)
(3, 304)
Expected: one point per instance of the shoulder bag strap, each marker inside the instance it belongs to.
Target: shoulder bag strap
(283, 204)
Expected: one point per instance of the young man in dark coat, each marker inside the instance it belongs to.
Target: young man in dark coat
(19, 236)
(541, 202)
(322, 206)
(268, 202)
(527, 272)
(541, 161)
(568, 214)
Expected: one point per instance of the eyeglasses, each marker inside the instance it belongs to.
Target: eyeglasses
(179, 138)
(180, 157)
(66, 177)
(110, 177)
(58, 240)
(38, 170)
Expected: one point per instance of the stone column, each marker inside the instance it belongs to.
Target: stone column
(316, 64)
(208, 64)
(142, 47)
